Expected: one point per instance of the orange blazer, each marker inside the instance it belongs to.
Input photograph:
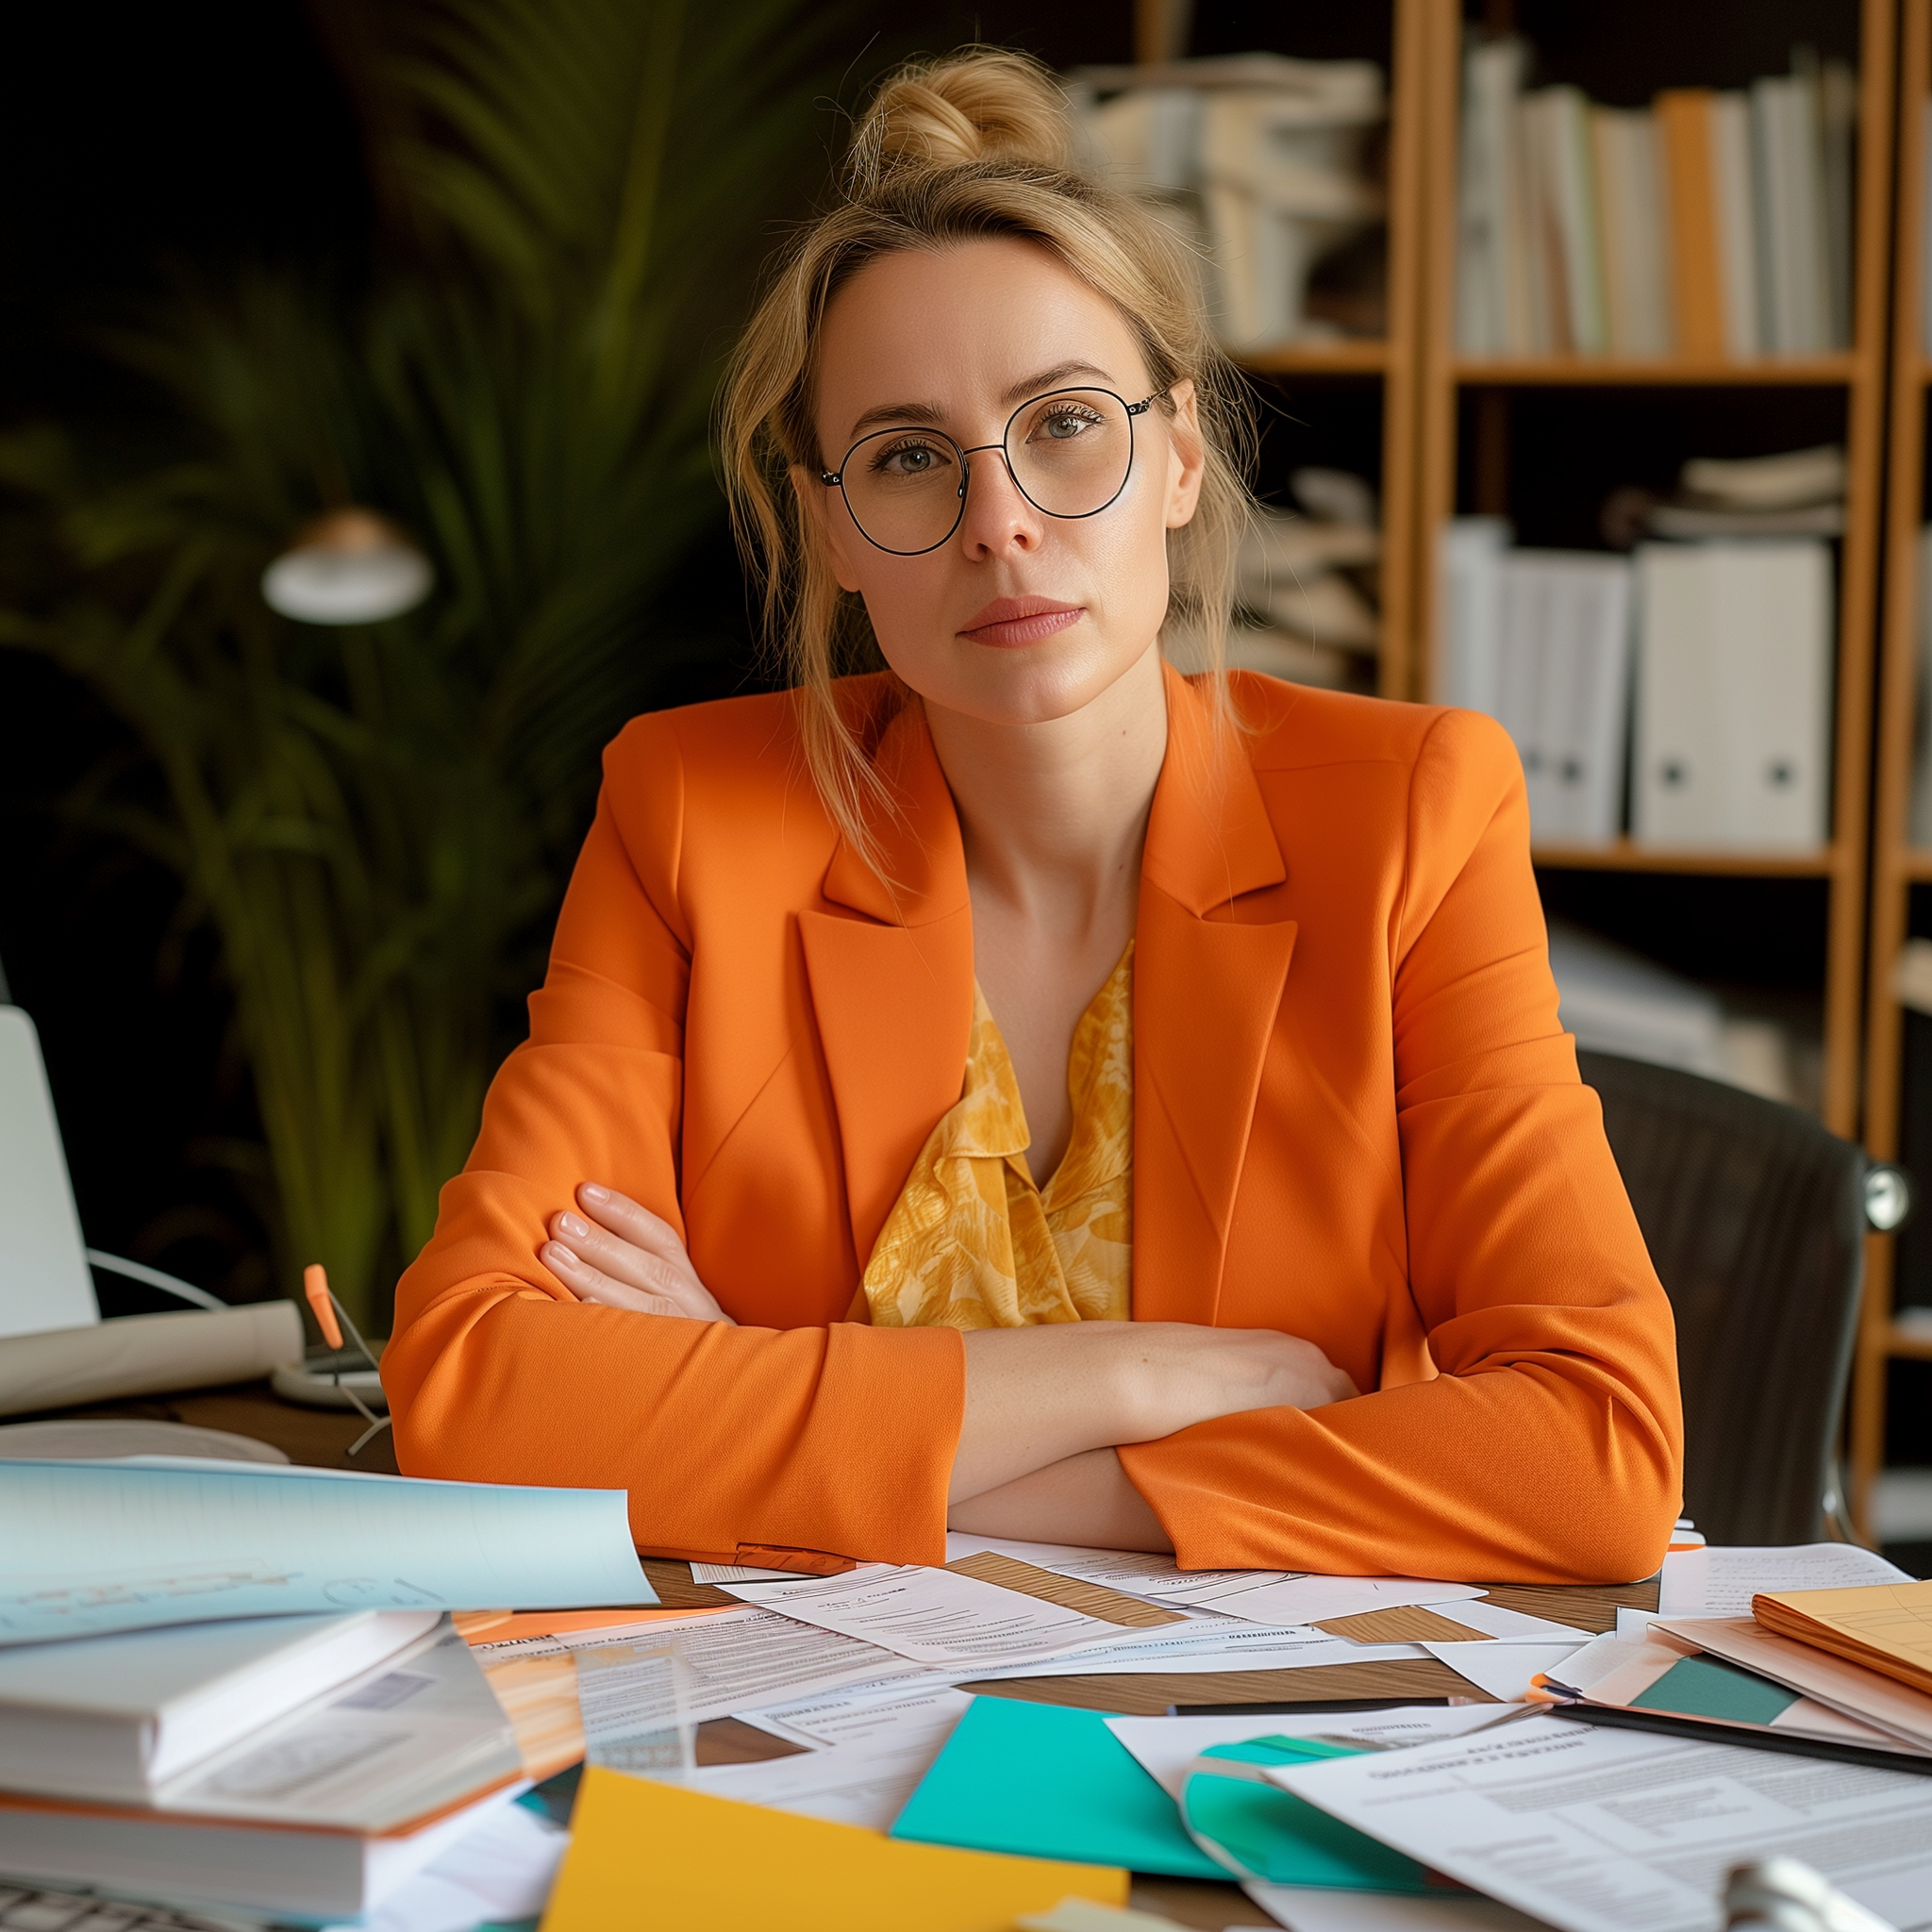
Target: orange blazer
(1356, 1116)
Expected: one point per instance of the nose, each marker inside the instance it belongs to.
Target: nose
(997, 518)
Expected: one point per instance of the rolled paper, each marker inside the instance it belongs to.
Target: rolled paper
(147, 1355)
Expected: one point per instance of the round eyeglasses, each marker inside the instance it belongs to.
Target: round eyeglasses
(1069, 453)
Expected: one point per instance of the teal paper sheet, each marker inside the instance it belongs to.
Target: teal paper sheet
(1272, 1835)
(1045, 1782)
(92, 1547)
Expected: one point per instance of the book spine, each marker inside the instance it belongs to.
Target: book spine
(1682, 119)
(1737, 220)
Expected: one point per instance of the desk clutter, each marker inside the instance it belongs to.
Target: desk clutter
(244, 1695)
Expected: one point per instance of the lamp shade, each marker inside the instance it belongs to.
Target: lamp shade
(348, 567)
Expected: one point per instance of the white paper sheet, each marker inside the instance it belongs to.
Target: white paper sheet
(874, 1754)
(932, 1616)
(1720, 1582)
(91, 1547)
(1600, 1830)
(1202, 1648)
(1504, 1670)
(1502, 1625)
(500, 1872)
(1166, 1747)
(1310, 1599)
(738, 1573)
(735, 1660)
(1133, 1572)
(1312, 1908)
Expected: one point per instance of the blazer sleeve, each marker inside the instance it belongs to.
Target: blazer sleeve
(1549, 1445)
(736, 1444)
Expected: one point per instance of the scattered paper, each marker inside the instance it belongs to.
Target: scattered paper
(1132, 1570)
(931, 1616)
(1599, 1830)
(1633, 1625)
(1204, 1648)
(738, 1573)
(1310, 1599)
(871, 1756)
(735, 1660)
(498, 1873)
(89, 1547)
(1308, 1909)
(1719, 1582)
(1507, 1671)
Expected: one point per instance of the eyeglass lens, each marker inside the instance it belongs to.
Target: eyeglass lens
(1069, 453)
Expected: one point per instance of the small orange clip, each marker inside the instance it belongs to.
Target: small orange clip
(315, 1289)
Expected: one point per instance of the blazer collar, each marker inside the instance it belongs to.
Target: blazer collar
(917, 838)
(1208, 837)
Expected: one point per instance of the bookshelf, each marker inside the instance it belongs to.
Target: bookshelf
(1897, 867)
(1317, 379)
(1475, 416)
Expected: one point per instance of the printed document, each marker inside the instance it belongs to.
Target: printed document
(1310, 1599)
(1600, 1830)
(733, 1661)
(1204, 1646)
(1721, 1582)
(870, 1755)
(91, 1547)
(933, 1616)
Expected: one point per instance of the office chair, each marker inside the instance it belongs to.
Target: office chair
(1756, 1220)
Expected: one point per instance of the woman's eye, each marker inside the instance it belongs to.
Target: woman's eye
(908, 459)
(1064, 424)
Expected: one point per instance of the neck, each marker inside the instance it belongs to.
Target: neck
(1053, 815)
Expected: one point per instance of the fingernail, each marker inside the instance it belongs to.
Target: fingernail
(552, 1256)
(572, 1225)
(592, 1192)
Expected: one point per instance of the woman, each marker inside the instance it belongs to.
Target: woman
(1028, 1089)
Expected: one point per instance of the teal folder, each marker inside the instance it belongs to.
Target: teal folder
(1045, 1782)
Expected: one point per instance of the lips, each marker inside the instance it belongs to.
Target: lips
(1008, 621)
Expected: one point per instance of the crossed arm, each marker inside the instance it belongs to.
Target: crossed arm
(1047, 1407)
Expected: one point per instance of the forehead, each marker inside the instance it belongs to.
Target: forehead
(955, 329)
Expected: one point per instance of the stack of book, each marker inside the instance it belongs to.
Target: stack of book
(1709, 660)
(1709, 225)
(1268, 166)
(304, 1766)
(1308, 587)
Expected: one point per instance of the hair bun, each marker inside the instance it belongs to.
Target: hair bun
(983, 104)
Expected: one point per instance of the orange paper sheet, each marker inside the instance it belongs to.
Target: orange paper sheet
(645, 1855)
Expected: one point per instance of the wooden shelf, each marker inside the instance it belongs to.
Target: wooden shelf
(1909, 1345)
(1556, 372)
(1910, 865)
(1627, 855)
(1353, 358)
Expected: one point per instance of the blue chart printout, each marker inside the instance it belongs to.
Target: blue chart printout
(89, 1547)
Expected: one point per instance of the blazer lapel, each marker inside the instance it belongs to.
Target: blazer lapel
(891, 973)
(1208, 977)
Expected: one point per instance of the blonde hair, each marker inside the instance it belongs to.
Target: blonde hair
(980, 144)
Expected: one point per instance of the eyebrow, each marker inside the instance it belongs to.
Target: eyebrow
(890, 414)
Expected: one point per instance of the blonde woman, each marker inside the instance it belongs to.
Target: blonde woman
(1024, 1088)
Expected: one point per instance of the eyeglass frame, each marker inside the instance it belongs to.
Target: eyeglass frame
(836, 478)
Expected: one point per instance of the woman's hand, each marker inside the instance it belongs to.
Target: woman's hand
(1037, 1396)
(625, 1256)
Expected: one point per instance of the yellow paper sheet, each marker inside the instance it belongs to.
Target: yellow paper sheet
(646, 1857)
(1885, 1626)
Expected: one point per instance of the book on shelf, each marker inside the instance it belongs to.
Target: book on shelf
(1265, 165)
(1710, 224)
(1733, 696)
(1541, 640)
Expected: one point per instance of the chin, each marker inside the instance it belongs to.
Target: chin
(1032, 686)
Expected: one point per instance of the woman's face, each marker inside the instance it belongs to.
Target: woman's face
(1018, 616)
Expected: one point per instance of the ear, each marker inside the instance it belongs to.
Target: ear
(825, 521)
(1187, 455)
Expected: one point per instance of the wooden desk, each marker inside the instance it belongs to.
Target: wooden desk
(321, 1438)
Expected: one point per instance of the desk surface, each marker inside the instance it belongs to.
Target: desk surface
(321, 1438)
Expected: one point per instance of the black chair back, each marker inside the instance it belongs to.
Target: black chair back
(1755, 1217)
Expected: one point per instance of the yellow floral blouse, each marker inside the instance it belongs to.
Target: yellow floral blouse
(973, 1242)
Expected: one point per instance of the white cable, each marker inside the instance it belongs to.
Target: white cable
(153, 1278)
